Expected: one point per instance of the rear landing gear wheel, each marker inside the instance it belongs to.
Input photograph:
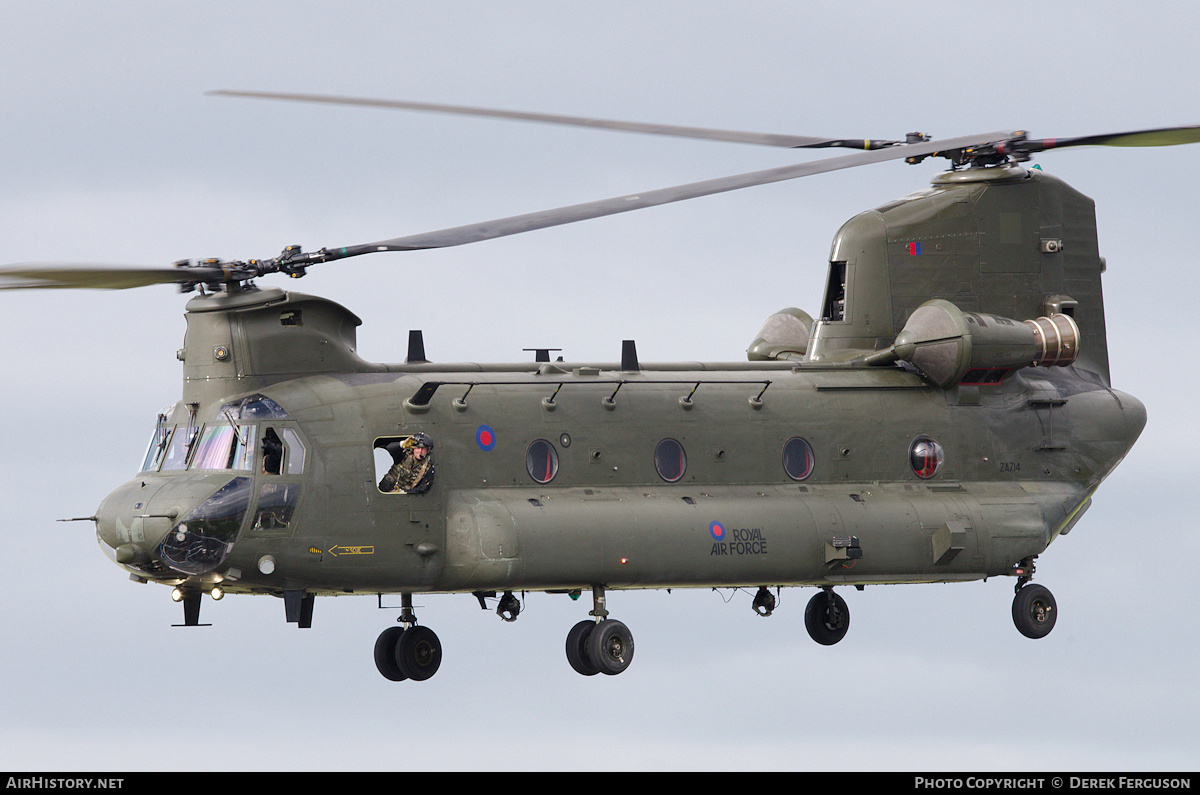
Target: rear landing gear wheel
(1034, 611)
(827, 618)
(577, 648)
(599, 646)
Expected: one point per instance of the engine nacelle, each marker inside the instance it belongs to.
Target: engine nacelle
(946, 344)
(785, 335)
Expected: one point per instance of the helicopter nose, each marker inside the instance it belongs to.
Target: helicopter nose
(188, 522)
(127, 527)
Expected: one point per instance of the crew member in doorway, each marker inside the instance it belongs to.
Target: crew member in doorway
(412, 467)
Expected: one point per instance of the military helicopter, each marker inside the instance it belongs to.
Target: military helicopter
(945, 417)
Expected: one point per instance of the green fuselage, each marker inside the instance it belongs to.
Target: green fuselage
(1021, 459)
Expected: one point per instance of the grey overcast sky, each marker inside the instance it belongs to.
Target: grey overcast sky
(111, 152)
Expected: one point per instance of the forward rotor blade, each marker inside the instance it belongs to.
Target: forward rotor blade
(107, 277)
(472, 233)
(763, 139)
(25, 277)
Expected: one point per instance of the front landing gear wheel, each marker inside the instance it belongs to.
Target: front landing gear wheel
(385, 654)
(610, 647)
(414, 653)
(827, 618)
(418, 653)
(1034, 611)
(577, 648)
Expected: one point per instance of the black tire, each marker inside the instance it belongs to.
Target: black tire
(419, 653)
(827, 618)
(577, 648)
(1034, 611)
(610, 647)
(385, 654)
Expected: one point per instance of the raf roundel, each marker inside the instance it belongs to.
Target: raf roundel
(485, 437)
(718, 530)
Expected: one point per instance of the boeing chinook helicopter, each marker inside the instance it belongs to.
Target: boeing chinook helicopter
(945, 417)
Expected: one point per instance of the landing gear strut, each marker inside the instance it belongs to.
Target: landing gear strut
(599, 645)
(408, 651)
(827, 618)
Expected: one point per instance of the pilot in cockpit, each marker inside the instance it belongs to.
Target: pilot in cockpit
(272, 448)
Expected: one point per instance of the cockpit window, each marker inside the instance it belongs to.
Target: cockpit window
(225, 446)
(276, 506)
(205, 536)
(158, 445)
(255, 407)
(180, 446)
(283, 452)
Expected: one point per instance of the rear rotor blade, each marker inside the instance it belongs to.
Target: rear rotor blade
(1163, 136)
(735, 136)
(472, 233)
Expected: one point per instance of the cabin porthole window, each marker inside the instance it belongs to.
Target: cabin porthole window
(541, 461)
(669, 460)
(797, 458)
(926, 457)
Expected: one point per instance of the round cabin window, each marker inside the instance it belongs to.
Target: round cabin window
(542, 461)
(797, 458)
(670, 460)
(926, 457)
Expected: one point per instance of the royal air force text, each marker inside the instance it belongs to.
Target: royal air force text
(742, 541)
